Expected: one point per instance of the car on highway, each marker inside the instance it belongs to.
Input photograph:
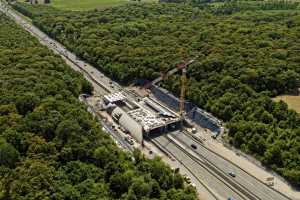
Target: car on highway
(129, 140)
(193, 146)
(232, 174)
(194, 130)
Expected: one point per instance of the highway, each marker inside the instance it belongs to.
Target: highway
(242, 178)
(199, 169)
(102, 85)
(243, 187)
(98, 79)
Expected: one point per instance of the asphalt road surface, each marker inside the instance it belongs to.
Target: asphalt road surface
(91, 73)
(102, 84)
(201, 172)
(244, 179)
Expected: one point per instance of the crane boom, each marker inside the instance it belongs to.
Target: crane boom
(183, 68)
(171, 72)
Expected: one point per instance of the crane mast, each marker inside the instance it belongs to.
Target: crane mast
(183, 67)
(182, 93)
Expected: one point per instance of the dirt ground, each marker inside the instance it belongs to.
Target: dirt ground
(292, 101)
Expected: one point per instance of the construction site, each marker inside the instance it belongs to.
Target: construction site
(149, 110)
(140, 118)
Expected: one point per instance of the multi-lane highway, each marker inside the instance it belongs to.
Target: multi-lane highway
(204, 164)
(242, 179)
(214, 170)
(102, 84)
(98, 79)
(198, 168)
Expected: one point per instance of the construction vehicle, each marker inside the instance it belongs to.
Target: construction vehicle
(183, 67)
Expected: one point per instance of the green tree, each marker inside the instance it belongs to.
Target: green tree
(9, 156)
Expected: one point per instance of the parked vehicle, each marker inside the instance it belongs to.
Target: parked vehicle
(193, 146)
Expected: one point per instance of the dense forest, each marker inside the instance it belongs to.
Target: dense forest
(51, 147)
(244, 59)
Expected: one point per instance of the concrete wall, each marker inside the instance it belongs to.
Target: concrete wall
(194, 113)
(128, 123)
(167, 98)
(204, 121)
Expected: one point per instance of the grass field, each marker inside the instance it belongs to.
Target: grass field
(85, 4)
(292, 101)
(81, 5)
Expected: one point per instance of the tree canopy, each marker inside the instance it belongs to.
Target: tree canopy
(51, 147)
(248, 52)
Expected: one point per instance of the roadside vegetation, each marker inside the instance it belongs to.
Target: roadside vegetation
(50, 147)
(245, 59)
